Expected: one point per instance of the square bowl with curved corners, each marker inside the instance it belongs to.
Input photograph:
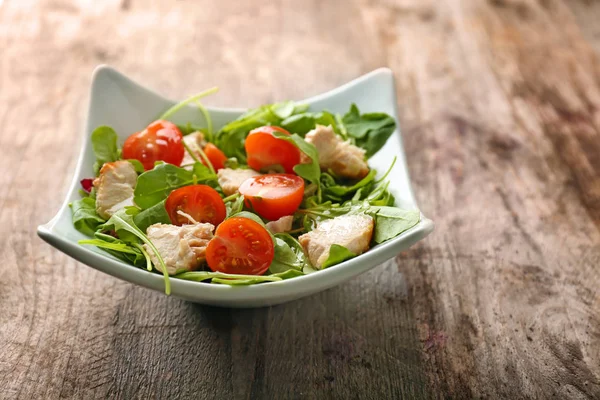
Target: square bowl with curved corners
(127, 106)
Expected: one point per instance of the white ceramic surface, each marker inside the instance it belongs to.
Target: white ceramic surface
(128, 107)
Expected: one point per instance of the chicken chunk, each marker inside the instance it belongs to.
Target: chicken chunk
(195, 141)
(354, 232)
(343, 158)
(283, 224)
(114, 187)
(183, 248)
(230, 180)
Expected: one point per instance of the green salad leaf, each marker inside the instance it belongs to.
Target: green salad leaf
(155, 185)
(157, 214)
(249, 215)
(288, 254)
(227, 279)
(290, 273)
(119, 246)
(130, 253)
(137, 165)
(104, 144)
(189, 128)
(85, 218)
(236, 206)
(370, 131)
(336, 192)
(392, 221)
(236, 279)
(337, 254)
(284, 109)
(305, 122)
(122, 222)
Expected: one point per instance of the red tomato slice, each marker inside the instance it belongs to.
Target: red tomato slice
(274, 195)
(201, 202)
(240, 246)
(216, 157)
(265, 151)
(160, 141)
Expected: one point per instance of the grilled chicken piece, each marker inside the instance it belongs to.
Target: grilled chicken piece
(343, 158)
(195, 141)
(230, 180)
(183, 248)
(114, 187)
(354, 232)
(283, 224)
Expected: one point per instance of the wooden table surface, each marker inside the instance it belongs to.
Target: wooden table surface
(500, 112)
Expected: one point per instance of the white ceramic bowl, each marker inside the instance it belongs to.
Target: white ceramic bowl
(128, 107)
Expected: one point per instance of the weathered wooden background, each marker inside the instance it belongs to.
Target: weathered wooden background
(500, 109)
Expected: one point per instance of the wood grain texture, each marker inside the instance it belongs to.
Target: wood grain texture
(499, 104)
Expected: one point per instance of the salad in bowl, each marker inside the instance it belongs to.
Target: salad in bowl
(280, 192)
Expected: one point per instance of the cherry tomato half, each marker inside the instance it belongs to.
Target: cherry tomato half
(216, 157)
(160, 141)
(240, 246)
(265, 150)
(273, 195)
(201, 202)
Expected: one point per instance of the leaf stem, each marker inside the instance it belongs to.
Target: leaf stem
(162, 264)
(187, 101)
(207, 118)
(206, 160)
(146, 256)
(388, 171)
(231, 197)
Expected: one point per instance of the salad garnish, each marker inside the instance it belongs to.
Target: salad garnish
(280, 192)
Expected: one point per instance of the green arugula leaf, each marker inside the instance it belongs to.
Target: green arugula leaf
(305, 122)
(336, 192)
(232, 163)
(130, 253)
(155, 185)
(122, 222)
(85, 218)
(290, 273)
(392, 221)
(288, 254)
(121, 247)
(227, 279)
(236, 206)
(380, 196)
(235, 279)
(137, 165)
(157, 214)
(284, 109)
(337, 254)
(247, 281)
(104, 144)
(370, 131)
(249, 215)
(189, 128)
